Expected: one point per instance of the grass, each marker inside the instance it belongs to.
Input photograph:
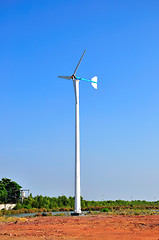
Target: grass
(130, 212)
(61, 214)
(104, 211)
(12, 219)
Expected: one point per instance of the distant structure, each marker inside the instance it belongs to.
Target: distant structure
(76, 81)
(24, 194)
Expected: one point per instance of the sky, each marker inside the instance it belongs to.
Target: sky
(119, 122)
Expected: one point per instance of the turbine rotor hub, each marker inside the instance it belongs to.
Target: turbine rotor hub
(73, 77)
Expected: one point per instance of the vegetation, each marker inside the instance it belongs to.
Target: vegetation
(62, 203)
(130, 212)
(12, 219)
(104, 210)
(9, 191)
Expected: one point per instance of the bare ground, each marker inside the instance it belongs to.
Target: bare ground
(109, 227)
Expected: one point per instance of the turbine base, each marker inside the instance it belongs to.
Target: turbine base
(76, 214)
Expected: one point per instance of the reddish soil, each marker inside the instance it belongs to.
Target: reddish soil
(93, 227)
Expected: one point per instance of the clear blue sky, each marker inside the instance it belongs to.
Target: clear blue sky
(119, 122)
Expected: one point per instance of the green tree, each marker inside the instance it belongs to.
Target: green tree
(71, 201)
(9, 191)
(3, 194)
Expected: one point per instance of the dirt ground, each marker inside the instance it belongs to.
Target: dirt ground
(109, 227)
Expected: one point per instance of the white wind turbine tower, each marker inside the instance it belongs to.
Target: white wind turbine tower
(76, 80)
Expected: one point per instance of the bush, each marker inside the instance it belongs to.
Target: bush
(104, 210)
(32, 210)
(60, 214)
(18, 206)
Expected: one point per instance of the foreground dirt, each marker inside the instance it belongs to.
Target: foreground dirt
(84, 228)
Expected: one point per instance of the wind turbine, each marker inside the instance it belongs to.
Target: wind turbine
(77, 210)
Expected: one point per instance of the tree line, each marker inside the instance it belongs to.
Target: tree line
(10, 193)
(62, 202)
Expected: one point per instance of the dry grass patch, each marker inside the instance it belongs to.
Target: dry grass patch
(12, 219)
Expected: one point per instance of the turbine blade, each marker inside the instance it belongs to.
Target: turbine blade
(79, 62)
(94, 82)
(65, 77)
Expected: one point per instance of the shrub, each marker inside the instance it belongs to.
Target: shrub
(104, 210)
(60, 214)
(31, 210)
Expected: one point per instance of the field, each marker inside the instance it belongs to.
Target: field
(93, 227)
